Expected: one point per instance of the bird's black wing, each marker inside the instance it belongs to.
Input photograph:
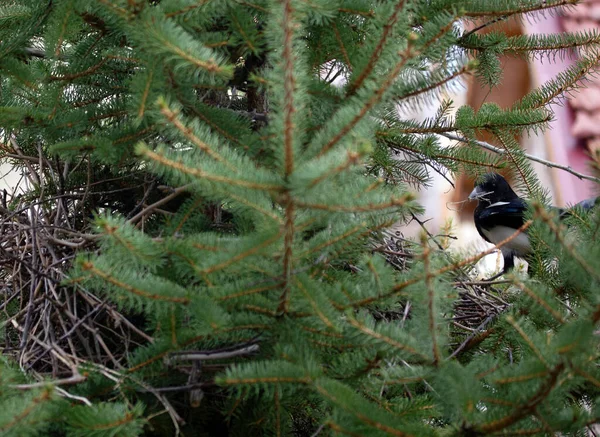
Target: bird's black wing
(509, 214)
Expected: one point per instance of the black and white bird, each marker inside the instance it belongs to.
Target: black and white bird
(501, 212)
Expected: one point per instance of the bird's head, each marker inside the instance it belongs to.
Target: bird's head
(492, 188)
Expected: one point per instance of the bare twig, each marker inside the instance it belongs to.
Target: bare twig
(76, 378)
(499, 151)
(150, 208)
(212, 355)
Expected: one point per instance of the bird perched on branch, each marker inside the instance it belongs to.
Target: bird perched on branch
(500, 213)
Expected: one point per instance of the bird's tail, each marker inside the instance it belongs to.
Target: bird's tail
(585, 205)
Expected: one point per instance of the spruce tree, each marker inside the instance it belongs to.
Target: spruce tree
(227, 202)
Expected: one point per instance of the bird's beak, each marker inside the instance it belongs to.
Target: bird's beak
(476, 193)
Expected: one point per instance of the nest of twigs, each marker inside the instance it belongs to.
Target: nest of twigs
(478, 303)
(50, 326)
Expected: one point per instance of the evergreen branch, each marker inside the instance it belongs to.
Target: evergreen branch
(210, 65)
(187, 132)
(543, 5)
(314, 305)
(240, 256)
(187, 9)
(326, 345)
(261, 327)
(249, 292)
(61, 36)
(333, 241)
(467, 68)
(108, 115)
(397, 289)
(395, 201)
(406, 380)
(117, 423)
(527, 339)
(482, 26)
(521, 378)
(564, 82)
(358, 414)
(124, 13)
(127, 241)
(439, 156)
(197, 203)
(376, 275)
(365, 14)
(343, 50)
(430, 299)
(142, 107)
(277, 413)
(430, 126)
(256, 207)
(525, 44)
(201, 174)
(424, 129)
(539, 300)
(384, 338)
(548, 220)
(253, 6)
(73, 76)
(289, 88)
(207, 247)
(287, 252)
(261, 310)
(135, 135)
(352, 159)
(266, 380)
(240, 29)
(587, 376)
(368, 231)
(220, 130)
(376, 97)
(518, 164)
(43, 397)
(321, 332)
(163, 354)
(471, 162)
(525, 409)
(495, 401)
(499, 151)
(385, 35)
(338, 428)
(378, 94)
(193, 265)
(89, 266)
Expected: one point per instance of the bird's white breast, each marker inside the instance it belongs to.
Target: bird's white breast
(520, 244)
